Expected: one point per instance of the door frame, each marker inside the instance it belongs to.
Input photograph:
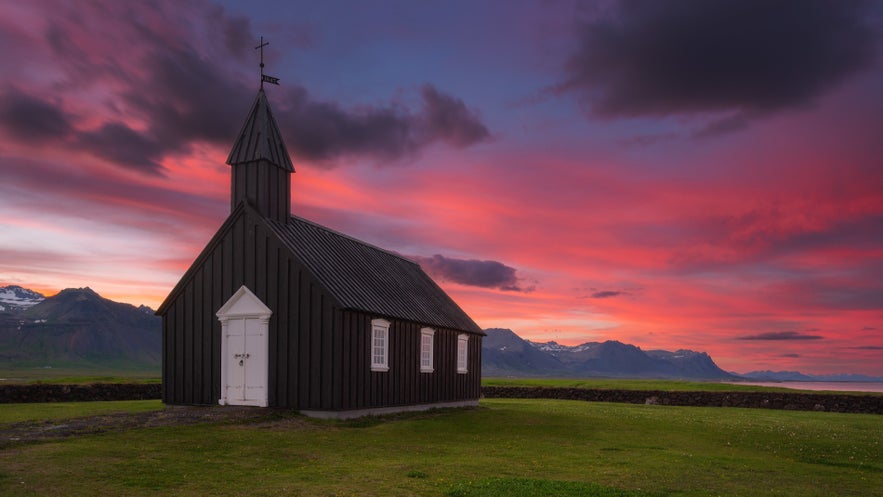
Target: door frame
(245, 305)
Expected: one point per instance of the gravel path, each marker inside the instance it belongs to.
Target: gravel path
(39, 431)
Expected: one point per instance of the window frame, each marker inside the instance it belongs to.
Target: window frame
(463, 353)
(379, 354)
(427, 333)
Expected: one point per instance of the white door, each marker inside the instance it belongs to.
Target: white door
(244, 364)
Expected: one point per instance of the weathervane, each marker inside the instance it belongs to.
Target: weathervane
(264, 77)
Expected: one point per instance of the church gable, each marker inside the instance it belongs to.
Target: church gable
(244, 303)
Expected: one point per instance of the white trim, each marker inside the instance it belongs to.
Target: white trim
(427, 346)
(463, 353)
(378, 411)
(379, 347)
(245, 306)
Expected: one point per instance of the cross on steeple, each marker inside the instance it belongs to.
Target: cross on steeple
(264, 77)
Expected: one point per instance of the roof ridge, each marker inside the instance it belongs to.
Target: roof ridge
(351, 238)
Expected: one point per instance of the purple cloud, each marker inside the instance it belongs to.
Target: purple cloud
(750, 57)
(605, 294)
(781, 335)
(183, 85)
(30, 119)
(485, 274)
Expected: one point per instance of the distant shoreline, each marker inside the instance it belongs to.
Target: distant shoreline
(816, 386)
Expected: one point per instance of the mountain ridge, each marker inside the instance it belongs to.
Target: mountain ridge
(78, 327)
(504, 353)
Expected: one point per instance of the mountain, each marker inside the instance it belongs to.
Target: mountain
(15, 298)
(506, 354)
(503, 353)
(797, 376)
(79, 328)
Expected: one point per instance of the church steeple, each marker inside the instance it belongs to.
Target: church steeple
(261, 165)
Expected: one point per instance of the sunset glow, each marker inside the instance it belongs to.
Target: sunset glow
(525, 153)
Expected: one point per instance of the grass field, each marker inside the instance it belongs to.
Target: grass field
(14, 413)
(9, 375)
(507, 447)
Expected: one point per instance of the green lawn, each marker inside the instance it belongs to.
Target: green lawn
(73, 375)
(507, 447)
(14, 413)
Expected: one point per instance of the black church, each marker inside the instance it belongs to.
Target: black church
(280, 311)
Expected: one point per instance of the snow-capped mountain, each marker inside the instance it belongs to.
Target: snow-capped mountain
(506, 354)
(16, 298)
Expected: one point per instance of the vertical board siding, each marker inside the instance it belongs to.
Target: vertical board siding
(404, 383)
(303, 303)
(319, 354)
(168, 355)
(263, 185)
(282, 332)
(294, 336)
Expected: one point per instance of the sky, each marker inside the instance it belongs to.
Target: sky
(684, 174)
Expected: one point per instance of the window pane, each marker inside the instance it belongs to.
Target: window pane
(379, 346)
(426, 352)
(462, 353)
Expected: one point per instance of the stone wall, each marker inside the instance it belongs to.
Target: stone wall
(40, 392)
(853, 403)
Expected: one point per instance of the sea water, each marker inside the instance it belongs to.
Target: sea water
(837, 386)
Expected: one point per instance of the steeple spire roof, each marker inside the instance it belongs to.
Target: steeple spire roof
(260, 138)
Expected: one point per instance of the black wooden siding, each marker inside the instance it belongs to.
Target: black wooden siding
(264, 186)
(245, 253)
(357, 387)
(318, 352)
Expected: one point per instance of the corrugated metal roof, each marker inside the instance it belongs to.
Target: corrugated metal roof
(366, 278)
(260, 138)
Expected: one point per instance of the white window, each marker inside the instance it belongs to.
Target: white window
(462, 353)
(379, 345)
(427, 336)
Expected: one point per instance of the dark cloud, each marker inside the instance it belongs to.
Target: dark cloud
(867, 347)
(31, 120)
(183, 85)
(34, 121)
(448, 119)
(486, 274)
(781, 335)
(743, 57)
(869, 328)
(324, 131)
(123, 146)
(605, 294)
(793, 356)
